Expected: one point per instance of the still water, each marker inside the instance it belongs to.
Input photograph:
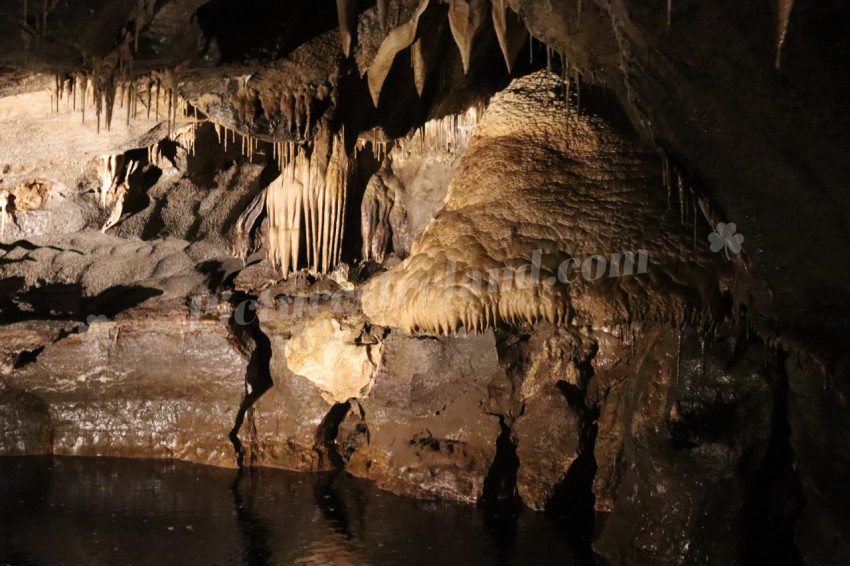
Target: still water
(93, 511)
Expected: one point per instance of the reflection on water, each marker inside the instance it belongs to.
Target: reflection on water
(59, 510)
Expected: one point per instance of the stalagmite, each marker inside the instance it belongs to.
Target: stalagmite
(784, 15)
(375, 227)
(465, 18)
(347, 14)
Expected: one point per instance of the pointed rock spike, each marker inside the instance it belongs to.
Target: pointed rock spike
(347, 16)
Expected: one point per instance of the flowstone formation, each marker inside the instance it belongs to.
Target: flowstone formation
(555, 216)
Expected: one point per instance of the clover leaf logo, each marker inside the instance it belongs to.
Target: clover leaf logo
(91, 319)
(724, 238)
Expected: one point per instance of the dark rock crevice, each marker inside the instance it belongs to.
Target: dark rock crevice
(253, 341)
(774, 497)
(326, 435)
(500, 482)
(573, 501)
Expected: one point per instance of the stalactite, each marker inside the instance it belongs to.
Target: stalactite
(465, 17)
(680, 183)
(398, 39)
(111, 164)
(283, 204)
(383, 13)
(417, 61)
(510, 31)
(310, 194)
(143, 15)
(67, 92)
(347, 15)
(669, 12)
(444, 134)
(79, 80)
(783, 16)
(578, 93)
(187, 137)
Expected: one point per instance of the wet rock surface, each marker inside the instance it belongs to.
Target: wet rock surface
(150, 384)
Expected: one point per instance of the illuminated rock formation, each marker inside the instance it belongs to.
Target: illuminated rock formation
(541, 224)
(311, 195)
(327, 353)
(382, 214)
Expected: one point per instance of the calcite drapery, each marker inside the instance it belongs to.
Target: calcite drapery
(309, 195)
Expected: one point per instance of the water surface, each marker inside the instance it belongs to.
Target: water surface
(92, 511)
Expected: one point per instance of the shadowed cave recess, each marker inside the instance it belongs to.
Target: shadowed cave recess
(581, 259)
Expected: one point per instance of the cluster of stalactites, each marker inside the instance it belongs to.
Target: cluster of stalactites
(444, 134)
(187, 137)
(248, 145)
(692, 204)
(102, 88)
(443, 303)
(309, 196)
(466, 17)
(510, 310)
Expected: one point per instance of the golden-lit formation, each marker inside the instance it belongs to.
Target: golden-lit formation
(109, 168)
(465, 19)
(521, 233)
(309, 195)
(110, 82)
